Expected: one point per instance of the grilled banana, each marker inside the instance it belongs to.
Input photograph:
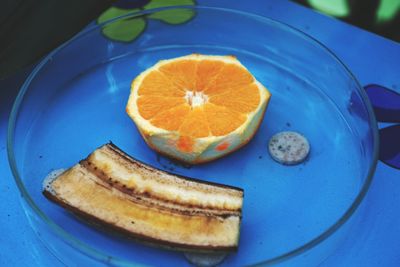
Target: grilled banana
(122, 194)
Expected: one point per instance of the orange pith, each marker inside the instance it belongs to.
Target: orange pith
(198, 97)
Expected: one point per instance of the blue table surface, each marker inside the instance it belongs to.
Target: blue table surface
(373, 59)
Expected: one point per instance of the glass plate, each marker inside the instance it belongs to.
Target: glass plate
(74, 101)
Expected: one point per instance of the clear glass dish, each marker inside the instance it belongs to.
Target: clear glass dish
(74, 101)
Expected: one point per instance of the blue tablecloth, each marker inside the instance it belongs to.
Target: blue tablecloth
(373, 59)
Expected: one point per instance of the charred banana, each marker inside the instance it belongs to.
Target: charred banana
(122, 194)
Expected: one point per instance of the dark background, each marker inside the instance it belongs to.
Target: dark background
(29, 29)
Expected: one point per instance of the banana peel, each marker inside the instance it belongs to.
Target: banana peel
(124, 195)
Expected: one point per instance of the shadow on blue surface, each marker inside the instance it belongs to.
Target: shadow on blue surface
(386, 104)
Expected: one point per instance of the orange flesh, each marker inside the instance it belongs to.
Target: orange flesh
(198, 98)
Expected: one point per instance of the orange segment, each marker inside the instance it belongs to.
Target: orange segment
(197, 108)
(231, 76)
(222, 120)
(149, 106)
(155, 83)
(183, 73)
(195, 125)
(207, 70)
(171, 119)
(244, 100)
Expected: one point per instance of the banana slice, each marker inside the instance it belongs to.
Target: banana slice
(122, 194)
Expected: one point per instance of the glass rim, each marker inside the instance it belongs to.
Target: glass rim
(103, 257)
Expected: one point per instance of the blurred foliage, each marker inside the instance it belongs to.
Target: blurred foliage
(378, 16)
(124, 30)
(171, 16)
(127, 30)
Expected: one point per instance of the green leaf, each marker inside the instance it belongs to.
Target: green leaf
(114, 12)
(123, 30)
(173, 16)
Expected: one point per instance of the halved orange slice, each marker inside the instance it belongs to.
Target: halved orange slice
(197, 108)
